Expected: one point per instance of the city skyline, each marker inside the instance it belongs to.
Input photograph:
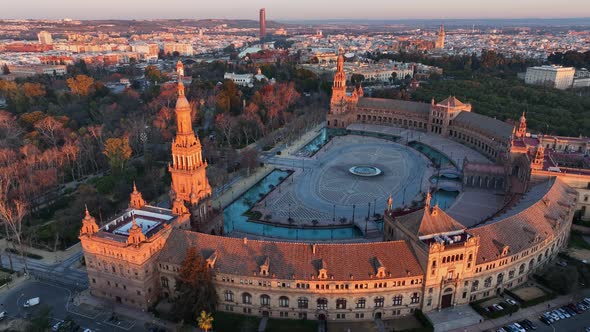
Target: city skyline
(326, 10)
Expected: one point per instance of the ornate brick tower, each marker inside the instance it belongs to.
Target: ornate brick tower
(339, 88)
(188, 169)
(440, 42)
(521, 132)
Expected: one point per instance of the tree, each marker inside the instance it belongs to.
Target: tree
(12, 213)
(81, 85)
(194, 287)
(226, 124)
(50, 129)
(357, 78)
(249, 159)
(33, 90)
(5, 70)
(205, 320)
(118, 152)
(154, 75)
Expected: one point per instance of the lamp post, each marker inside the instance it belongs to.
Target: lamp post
(353, 206)
(369, 211)
(334, 213)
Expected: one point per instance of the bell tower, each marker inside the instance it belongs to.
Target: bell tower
(188, 169)
(338, 101)
(521, 132)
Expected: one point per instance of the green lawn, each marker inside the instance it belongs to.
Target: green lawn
(226, 322)
(291, 325)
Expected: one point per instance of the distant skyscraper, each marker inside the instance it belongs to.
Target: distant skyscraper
(45, 38)
(262, 24)
(440, 42)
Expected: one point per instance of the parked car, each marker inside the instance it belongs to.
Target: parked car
(562, 263)
(563, 312)
(511, 302)
(529, 325)
(518, 328)
(57, 325)
(498, 307)
(3, 315)
(545, 319)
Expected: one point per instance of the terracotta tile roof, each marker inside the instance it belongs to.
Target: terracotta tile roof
(288, 260)
(451, 101)
(393, 104)
(531, 221)
(488, 125)
(430, 222)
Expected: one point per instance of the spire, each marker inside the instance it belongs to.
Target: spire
(521, 132)
(89, 225)
(136, 235)
(136, 200)
(427, 200)
(389, 203)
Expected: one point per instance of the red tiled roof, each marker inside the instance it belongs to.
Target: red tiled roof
(288, 260)
(452, 102)
(533, 224)
(430, 222)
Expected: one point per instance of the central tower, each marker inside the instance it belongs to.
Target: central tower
(188, 169)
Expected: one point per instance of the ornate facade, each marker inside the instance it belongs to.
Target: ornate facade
(427, 259)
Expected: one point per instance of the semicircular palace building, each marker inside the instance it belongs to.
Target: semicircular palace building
(426, 260)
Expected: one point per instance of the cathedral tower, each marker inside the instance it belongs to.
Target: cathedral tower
(188, 169)
(440, 42)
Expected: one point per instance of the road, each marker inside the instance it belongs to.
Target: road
(59, 299)
(573, 324)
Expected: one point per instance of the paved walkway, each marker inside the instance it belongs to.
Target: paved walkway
(534, 311)
(452, 318)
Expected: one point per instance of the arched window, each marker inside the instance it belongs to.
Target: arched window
(475, 285)
(511, 274)
(246, 298)
(398, 299)
(302, 303)
(499, 279)
(264, 299)
(521, 269)
(379, 301)
(322, 303)
(415, 298)
(531, 263)
(341, 304)
(283, 302)
(228, 296)
(164, 282)
(488, 282)
(361, 303)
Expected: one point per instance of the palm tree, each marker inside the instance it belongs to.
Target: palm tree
(205, 321)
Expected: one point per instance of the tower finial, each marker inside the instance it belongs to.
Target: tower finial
(134, 187)
(86, 207)
(428, 198)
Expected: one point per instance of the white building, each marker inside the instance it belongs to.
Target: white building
(239, 79)
(45, 38)
(555, 76)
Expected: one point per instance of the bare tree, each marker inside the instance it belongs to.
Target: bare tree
(12, 214)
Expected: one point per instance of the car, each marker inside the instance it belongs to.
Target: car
(545, 319)
(569, 310)
(501, 330)
(3, 315)
(562, 263)
(582, 306)
(517, 327)
(511, 302)
(57, 325)
(87, 330)
(563, 312)
(574, 308)
(498, 307)
(530, 324)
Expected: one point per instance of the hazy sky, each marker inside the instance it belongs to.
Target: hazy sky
(294, 9)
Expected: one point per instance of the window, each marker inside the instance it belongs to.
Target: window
(475, 285)
(397, 300)
(521, 269)
(264, 300)
(246, 298)
(322, 303)
(488, 282)
(379, 302)
(361, 304)
(499, 279)
(511, 274)
(283, 302)
(341, 304)
(302, 303)
(415, 298)
(164, 282)
(228, 296)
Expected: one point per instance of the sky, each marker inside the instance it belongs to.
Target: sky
(294, 9)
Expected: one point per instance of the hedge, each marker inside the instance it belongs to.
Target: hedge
(425, 321)
(508, 309)
(530, 303)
